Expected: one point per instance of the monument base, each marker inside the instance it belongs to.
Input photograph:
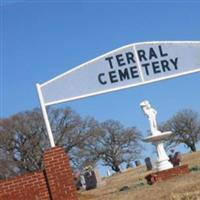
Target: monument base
(164, 165)
(166, 174)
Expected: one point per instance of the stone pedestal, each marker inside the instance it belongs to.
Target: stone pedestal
(163, 160)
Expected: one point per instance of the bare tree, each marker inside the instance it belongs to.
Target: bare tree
(68, 128)
(185, 126)
(23, 138)
(87, 153)
(22, 141)
(113, 144)
(72, 133)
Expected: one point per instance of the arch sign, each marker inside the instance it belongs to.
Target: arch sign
(129, 66)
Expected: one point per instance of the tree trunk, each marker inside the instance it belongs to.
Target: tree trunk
(116, 168)
(193, 148)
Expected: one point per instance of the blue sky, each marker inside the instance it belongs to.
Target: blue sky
(42, 39)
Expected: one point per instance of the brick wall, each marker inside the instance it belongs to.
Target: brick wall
(55, 182)
(166, 174)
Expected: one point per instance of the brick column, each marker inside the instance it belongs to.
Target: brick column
(59, 175)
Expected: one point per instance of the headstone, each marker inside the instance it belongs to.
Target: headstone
(98, 177)
(137, 163)
(129, 165)
(148, 163)
(175, 159)
(83, 182)
(90, 180)
(178, 158)
(108, 173)
(124, 188)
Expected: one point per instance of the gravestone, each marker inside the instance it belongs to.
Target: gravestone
(108, 173)
(98, 178)
(148, 163)
(137, 163)
(90, 180)
(129, 165)
(175, 159)
(83, 184)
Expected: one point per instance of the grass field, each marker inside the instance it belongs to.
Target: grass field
(185, 187)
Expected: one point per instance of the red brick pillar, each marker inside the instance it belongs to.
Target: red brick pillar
(59, 175)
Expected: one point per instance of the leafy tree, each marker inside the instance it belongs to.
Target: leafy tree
(185, 126)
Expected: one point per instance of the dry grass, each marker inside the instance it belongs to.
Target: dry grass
(186, 187)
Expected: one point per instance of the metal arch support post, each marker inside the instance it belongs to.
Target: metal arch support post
(46, 120)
